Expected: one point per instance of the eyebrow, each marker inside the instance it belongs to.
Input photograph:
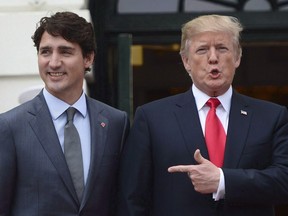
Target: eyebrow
(59, 48)
(66, 48)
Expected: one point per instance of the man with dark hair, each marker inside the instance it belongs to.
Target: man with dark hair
(52, 163)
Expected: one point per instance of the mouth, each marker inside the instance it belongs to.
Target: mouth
(215, 73)
(56, 74)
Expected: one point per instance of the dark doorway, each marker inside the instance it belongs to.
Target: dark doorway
(263, 73)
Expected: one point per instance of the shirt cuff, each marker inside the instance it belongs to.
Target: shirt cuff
(220, 194)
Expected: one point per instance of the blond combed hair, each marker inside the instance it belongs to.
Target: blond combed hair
(212, 23)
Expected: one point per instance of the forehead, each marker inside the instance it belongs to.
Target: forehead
(51, 41)
(212, 37)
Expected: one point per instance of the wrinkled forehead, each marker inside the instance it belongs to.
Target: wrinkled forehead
(212, 36)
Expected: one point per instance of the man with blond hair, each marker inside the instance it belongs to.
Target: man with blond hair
(209, 151)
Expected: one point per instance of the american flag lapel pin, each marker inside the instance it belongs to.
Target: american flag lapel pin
(103, 124)
(243, 112)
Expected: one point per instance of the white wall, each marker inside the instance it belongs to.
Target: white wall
(18, 57)
(43, 5)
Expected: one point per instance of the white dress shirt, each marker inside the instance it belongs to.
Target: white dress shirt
(222, 112)
(81, 121)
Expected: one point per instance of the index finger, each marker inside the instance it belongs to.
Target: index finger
(179, 168)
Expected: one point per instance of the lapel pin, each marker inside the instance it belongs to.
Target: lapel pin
(103, 124)
(243, 112)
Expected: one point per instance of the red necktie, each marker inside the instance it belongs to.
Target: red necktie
(214, 134)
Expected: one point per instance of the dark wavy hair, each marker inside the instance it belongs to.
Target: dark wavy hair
(71, 27)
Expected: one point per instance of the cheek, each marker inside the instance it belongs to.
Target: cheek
(41, 63)
(198, 64)
(235, 60)
(231, 62)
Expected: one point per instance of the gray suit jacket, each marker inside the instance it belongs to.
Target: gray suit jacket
(34, 177)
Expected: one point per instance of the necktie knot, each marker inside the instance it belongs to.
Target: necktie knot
(70, 113)
(213, 103)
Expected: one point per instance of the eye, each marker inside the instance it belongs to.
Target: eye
(201, 50)
(222, 49)
(66, 52)
(44, 52)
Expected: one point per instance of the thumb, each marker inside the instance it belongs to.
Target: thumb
(198, 157)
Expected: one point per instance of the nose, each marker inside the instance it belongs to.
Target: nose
(54, 61)
(213, 57)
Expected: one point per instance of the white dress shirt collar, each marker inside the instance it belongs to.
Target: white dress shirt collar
(201, 98)
(57, 106)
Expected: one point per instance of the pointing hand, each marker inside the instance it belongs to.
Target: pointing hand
(205, 176)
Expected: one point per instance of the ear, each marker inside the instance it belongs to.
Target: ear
(185, 61)
(88, 60)
(237, 62)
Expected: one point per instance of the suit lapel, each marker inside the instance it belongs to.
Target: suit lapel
(188, 120)
(239, 121)
(43, 127)
(99, 125)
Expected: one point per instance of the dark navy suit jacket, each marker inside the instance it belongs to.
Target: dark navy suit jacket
(167, 132)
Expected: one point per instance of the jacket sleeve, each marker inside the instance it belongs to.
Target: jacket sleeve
(7, 167)
(136, 170)
(263, 180)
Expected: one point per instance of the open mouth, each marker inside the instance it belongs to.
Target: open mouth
(56, 74)
(214, 71)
